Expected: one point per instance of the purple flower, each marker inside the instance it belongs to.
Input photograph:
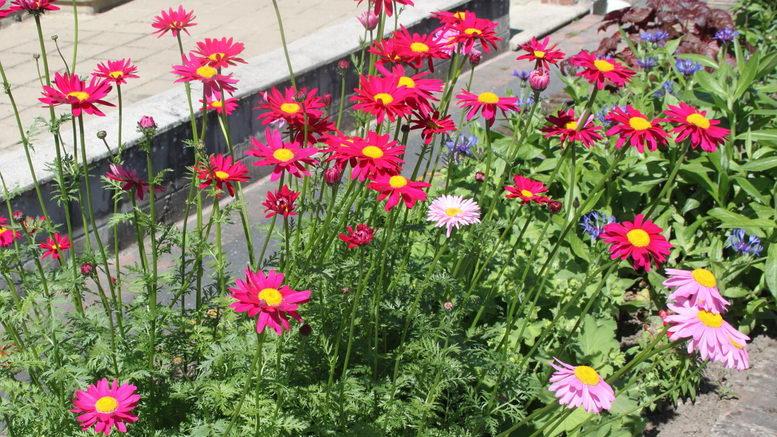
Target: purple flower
(743, 243)
(522, 74)
(657, 36)
(460, 147)
(727, 34)
(594, 222)
(687, 67)
(666, 88)
(647, 63)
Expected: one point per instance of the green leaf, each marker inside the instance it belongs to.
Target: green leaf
(598, 339)
(709, 83)
(733, 220)
(760, 135)
(771, 270)
(761, 164)
(701, 59)
(746, 77)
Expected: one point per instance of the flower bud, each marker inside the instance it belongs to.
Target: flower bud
(87, 269)
(480, 176)
(448, 305)
(554, 206)
(18, 216)
(146, 123)
(368, 19)
(102, 134)
(343, 65)
(539, 79)
(333, 174)
(475, 57)
(305, 330)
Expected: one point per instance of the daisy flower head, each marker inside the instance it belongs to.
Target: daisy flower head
(416, 49)
(104, 406)
(369, 20)
(692, 124)
(697, 287)
(473, 31)
(116, 72)
(280, 202)
(640, 240)
(399, 188)
(431, 123)
(421, 89)
(219, 102)
(743, 243)
(220, 53)
(7, 236)
(541, 53)
(34, 7)
(382, 97)
(286, 157)
(54, 246)
(528, 190)
(593, 223)
(565, 126)
(580, 386)
(128, 180)
(633, 127)
(266, 297)
(709, 334)
(173, 21)
(69, 89)
(372, 156)
(221, 172)
(486, 103)
(450, 19)
(387, 52)
(379, 6)
(601, 71)
(291, 105)
(359, 236)
(453, 212)
(196, 69)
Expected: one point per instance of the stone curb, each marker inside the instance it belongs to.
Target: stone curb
(536, 19)
(314, 59)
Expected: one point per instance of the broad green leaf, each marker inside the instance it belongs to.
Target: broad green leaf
(710, 84)
(761, 164)
(771, 270)
(598, 339)
(760, 135)
(731, 219)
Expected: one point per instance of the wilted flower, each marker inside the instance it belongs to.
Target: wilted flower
(54, 246)
(280, 202)
(368, 19)
(359, 236)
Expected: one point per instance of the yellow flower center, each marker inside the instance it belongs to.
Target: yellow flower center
(488, 98)
(116, 74)
(384, 98)
(290, 108)
(106, 404)
(217, 104)
(222, 175)
(460, 15)
(271, 296)
(419, 47)
(453, 211)
(406, 82)
(372, 152)
(638, 237)
(604, 66)
(587, 375)
(397, 181)
(283, 155)
(710, 320)
(216, 56)
(472, 31)
(206, 71)
(639, 123)
(735, 344)
(3, 230)
(527, 193)
(539, 54)
(79, 95)
(572, 125)
(55, 247)
(704, 277)
(698, 120)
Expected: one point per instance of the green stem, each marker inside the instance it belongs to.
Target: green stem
(257, 360)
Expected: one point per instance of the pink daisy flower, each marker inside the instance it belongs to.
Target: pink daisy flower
(541, 53)
(54, 246)
(634, 128)
(528, 190)
(421, 89)
(371, 157)
(397, 188)
(265, 296)
(32, 6)
(416, 49)
(565, 127)
(105, 406)
(698, 287)
(290, 105)
(693, 124)
(70, 90)
(382, 97)
(486, 103)
(359, 236)
(580, 386)
(216, 101)
(453, 212)
(640, 240)
(198, 69)
(7, 236)
(288, 157)
(116, 71)
(221, 172)
(709, 334)
(220, 53)
(600, 71)
(472, 30)
(173, 21)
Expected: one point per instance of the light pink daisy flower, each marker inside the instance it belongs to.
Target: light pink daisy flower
(105, 406)
(698, 287)
(453, 212)
(708, 333)
(580, 386)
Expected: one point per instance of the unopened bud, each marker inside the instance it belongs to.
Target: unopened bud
(87, 269)
(102, 134)
(539, 79)
(333, 175)
(146, 123)
(480, 176)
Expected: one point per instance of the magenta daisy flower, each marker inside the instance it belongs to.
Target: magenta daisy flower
(265, 297)
(486, 103)
(54, 246)
(634, 128)
(580, 386)
(116, 71)
(640, 240)
(692, 124)
(396, 188)
(709, 334)
(70, 90)
(128, 180)
(198, 69)
(216, 101)
(600, 71)
(565, 127)
(453, 212)
(173, 21)
(370, 157)
(7, 236)
(288, 157)
(291, 105)
(387, 5)
(542, 53)
(32, 6)
(382, 97)
(220, 53)
(698, 287)
(528, 190)
(105, 406)
(221, 172)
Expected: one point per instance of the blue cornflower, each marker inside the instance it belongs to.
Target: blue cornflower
(687, 67)
(522, 74)
(594, 222)
(654, 36)
(647, 63)
(528, 101)
(744, 244)
(727, 34)
(666, 88)
(460, 147)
